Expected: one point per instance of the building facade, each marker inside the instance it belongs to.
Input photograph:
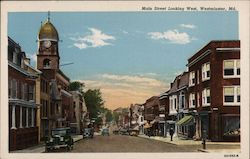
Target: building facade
(56, 99)
(23, 131)
(151, 115)
(214, 90)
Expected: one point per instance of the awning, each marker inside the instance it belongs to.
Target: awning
(185, 120)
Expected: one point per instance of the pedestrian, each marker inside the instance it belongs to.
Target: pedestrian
(171, 132)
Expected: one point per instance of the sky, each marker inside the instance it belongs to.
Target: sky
(129, 56)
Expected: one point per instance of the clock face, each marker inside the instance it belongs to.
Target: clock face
(47, 43)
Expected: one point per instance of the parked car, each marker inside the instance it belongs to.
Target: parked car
(88, 133)
(115, 132)
(124, 132)
(60, 138)
(105, 132)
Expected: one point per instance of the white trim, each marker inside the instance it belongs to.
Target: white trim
(191, 95)
(228, 49)
(204, 97)
(204, 71)
(235, 103)
(21, 117)
(234, 69)
(13, 123)
(198, 58)
(191, 77)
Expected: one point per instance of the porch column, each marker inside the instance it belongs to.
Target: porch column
(21, 117)
(13, 124)
(32, 117)
(27, 117)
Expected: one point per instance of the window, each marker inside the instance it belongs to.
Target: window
(10, 87)
(206, 97)
(232, 95)
(173, 102)
(46, 63)
(231, 125)
(231, 68)
(192, 78)
(182, 100)
(192, 100)
(31, 92)
(205, 71)
(25, 92)
(14, 88)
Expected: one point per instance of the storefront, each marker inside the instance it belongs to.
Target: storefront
(231, 127)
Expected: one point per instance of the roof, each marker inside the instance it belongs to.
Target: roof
(48, 31)
(180, 82)
(183, 80)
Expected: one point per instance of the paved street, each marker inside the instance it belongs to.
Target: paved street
(124, 143)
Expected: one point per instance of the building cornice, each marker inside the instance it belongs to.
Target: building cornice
(19, 69)
(22, 102)
(204, 54)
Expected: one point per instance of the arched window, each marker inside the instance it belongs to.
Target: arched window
(47, 63)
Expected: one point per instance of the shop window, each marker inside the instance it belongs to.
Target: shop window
(232, 95)
(205, 71)
(206, 97)
(231, 68)
(231, 126)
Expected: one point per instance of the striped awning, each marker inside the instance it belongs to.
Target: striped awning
(185, 120)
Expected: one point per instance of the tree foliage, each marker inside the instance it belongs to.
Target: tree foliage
(94, 102)
(76, 86)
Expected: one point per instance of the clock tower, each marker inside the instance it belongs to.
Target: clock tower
(48, 54)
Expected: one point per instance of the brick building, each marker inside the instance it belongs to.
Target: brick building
(163, 113)
(79, 113)
(56, 100)
(185, 117)
(214, 90)
(23, 131)
(151, 115)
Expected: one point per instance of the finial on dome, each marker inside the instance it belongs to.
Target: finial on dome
(48, 15)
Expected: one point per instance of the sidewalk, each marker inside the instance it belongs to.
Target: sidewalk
(211, 146)
(40, 148)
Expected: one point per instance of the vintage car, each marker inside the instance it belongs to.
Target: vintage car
(105, 132)
(60, 138)
(88, 133)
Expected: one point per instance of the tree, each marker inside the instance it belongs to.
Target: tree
(76, 86)
(94, 102)
(109, 116)
(116, 117)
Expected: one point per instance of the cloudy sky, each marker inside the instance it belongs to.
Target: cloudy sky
(130, 56)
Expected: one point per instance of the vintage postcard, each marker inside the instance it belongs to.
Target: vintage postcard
(125, 79)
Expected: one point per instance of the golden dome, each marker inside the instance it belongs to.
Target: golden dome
(48, 31)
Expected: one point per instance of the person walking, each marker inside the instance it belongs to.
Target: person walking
(171, 132)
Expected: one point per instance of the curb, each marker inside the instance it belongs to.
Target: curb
(157, 140)
(203, 150)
